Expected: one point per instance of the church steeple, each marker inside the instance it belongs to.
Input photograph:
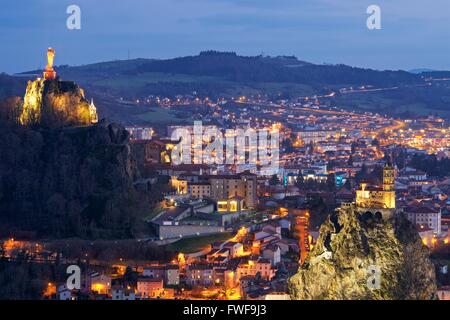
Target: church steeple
(93, 112)
(376, 198)
(389, 186)
(388, 178)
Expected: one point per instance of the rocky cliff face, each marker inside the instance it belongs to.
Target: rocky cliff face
(61, 175)
(65, 182)
(352, 246)
(54, 103)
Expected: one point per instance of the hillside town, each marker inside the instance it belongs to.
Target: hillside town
(253, 229)
(224, 159)
(328, 158)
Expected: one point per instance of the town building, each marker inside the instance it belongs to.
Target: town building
(121, 293)
(251, 266)
(199, 275)
(100, 283)
(150, 288)
(424, 216)
(224, 187)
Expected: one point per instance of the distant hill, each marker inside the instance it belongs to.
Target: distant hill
(227, 74)
(228, 70)
(12, 86)
(436, 74)
(279, 69)
(420, 70)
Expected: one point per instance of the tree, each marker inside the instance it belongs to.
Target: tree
(400, 159)
(300, 182)
(387, 158)
(375, 142)
(348, 185)
(431, 165)
(353, 147)
(2, 250)
(274, 180)
(331, 182)
(311, 148)
(287, 145)
(10, 109)
(130, 275)
(362, 174)
(350, 160)
(330, 165)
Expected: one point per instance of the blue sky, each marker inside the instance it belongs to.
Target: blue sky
(414, 34)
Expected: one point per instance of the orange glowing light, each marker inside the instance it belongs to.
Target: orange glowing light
(283, 212)
(240, 235)
(50, 290)
(49, 73)
(181, 259)
(98, 287)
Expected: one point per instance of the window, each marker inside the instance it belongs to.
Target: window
(222, 206)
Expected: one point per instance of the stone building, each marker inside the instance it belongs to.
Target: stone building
(376, 199)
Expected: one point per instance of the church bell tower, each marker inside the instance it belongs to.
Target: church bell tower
(389, 186)
(388, 178)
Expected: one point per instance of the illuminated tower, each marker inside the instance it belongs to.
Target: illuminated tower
(389, 186)
(93, 112)
(49, 73)
(388, 178)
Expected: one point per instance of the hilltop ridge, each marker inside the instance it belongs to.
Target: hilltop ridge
(216, 74)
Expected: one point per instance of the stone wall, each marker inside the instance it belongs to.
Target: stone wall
(167, 232)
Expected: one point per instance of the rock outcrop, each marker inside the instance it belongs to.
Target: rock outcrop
(55, 103)
(62, 174)
(66, 182)
(351, 247)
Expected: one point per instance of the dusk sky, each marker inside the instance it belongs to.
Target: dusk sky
(414, 34)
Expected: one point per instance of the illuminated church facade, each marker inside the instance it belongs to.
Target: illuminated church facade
(376, 199)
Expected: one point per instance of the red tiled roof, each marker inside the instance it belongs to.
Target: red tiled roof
(149, 280)
(420, 209)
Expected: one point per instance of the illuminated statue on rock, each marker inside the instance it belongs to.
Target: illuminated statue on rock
(49, 73)
(51, 102)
